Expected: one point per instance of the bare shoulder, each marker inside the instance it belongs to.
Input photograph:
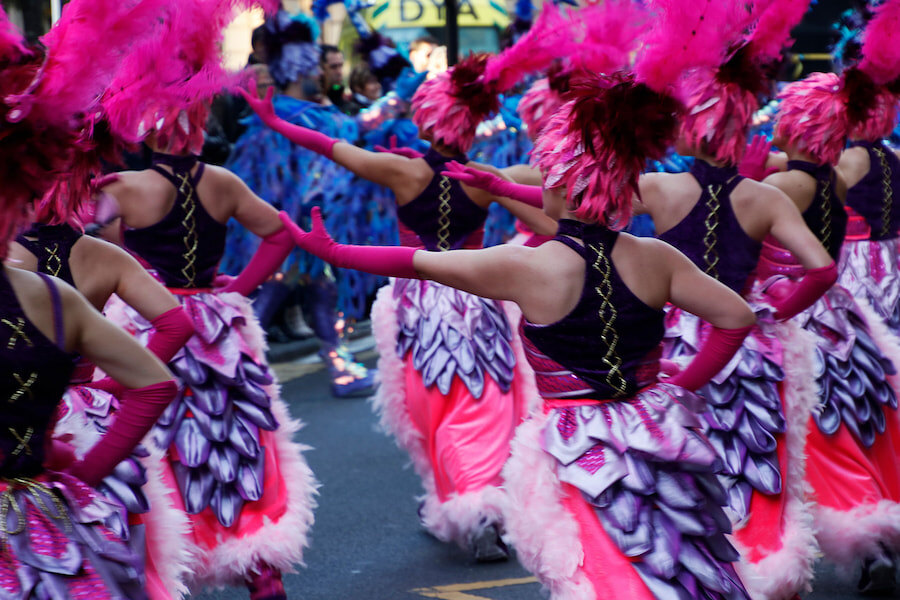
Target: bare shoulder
(32, 293)
(659, 186)
(758, 195)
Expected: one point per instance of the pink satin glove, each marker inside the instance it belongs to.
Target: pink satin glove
(753, 164)
(138, 413)
(271, 253)
(712, 356)
(789, 300)
(108, 385)
(171, 331)
(399, 151)
(389, 261)
(307, 138)
(528, 194)
(221, 281)
(59, 455)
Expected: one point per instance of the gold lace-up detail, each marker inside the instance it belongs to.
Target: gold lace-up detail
(710, 256)
(18, 332)
(608, 316)
(38, 491)
(825, 232)
(443, 234)
(888, 202)
(191, 239)
(24, 387)
(54, 262)
(24, 441)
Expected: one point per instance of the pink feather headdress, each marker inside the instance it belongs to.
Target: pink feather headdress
(721, 100)
(598, 143)
(47, 95)
(449, 107)
(871, 105)
(812, 117)
(165, 83)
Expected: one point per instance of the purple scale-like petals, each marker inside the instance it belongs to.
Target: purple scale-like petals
(223, 463)
(762, 473)
(129, 496)
(250, 477)
(210, 399)
(258, 374)
(196, 487)
(244, 437)
(755, 436)
(261, 417)
(190, 443)
(226, 504)
(214, 427)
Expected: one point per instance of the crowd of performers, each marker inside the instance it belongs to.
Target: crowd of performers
(699, 414)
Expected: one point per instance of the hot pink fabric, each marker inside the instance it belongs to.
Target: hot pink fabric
(608, 570)
(815, 283)
(173, 329)
(466, 440)
(390, 261)
(716, 351)
(529, 194)
(139, 412)
(272, 251)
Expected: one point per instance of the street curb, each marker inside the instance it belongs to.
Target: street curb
(289, 351)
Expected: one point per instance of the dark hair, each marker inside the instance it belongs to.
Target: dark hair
(258, 36)
(327, 49)
(360, 76)
(423, 39)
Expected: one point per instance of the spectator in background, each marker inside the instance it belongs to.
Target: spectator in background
(259, 56)
(365, 87)
(420, 52)
(332, 63)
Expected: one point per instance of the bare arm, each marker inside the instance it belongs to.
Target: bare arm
(248, 209)
(523, 174)
(108, 346)
(789, 228)
(389, 170)
(692, 290)
(138, 289)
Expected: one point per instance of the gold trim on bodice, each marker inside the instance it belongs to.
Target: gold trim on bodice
(608, 315)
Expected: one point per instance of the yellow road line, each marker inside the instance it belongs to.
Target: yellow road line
(458, 591)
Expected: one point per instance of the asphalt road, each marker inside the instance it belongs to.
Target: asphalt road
(366, 541)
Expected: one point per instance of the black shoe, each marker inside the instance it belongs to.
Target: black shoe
(877, 575)
(486, 545)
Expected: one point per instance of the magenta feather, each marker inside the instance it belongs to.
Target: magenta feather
(686, 34)
(773, 29)
(548, 39)
(880, 50)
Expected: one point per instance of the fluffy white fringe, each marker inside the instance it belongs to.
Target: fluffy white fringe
(389, 401)
(525, 385)
(169, 547)
(279, 543)
(457, 518)
(784, 573)
(544, 534)
(848, 537)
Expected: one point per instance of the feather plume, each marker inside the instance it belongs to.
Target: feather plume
(812, 117)
(597, 144)
(773, 29)
(165, 81)
(880, 51)
(611, 33)
(548, 39)
(688, 33)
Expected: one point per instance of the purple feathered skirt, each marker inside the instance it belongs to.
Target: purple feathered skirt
(620, 499)
(854, 433)
(453, 388)
(54, 542)
(136, 488)
(755, 414)
(229, 459)
(870, 271)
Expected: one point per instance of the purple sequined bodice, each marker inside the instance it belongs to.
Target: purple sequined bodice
(610, 339)
(710, 234)
(34, 373)
(185, 247)
(52, 245)
(443, 216)
(872, 197)
(825, 216)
